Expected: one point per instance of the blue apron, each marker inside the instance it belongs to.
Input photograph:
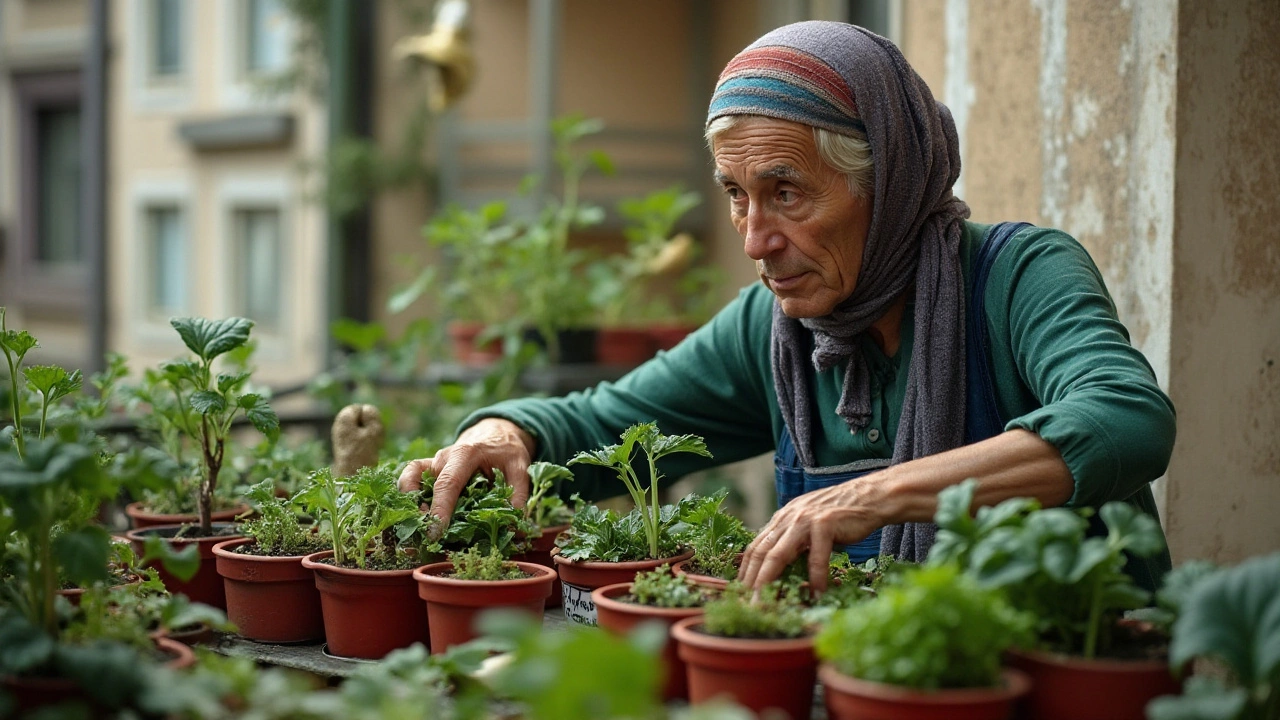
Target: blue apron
(982, 418)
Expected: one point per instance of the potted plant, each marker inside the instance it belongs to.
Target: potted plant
(205, 406)
(601, 548)
(472, 582)
(759, 653)
(1089, 664)
(550, 514)
(928, 646)
(655, 596)
(271, 597)
(717, 539)
(368, 597)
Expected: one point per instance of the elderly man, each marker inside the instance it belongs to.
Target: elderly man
(892, 348)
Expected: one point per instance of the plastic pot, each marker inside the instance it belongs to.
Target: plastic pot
(540, 554)
(849, 698)
(579, 578)
(453, 605)
(1064, 687)
(707, 581)
(367, 613)
(270, 599)
(621, 617)
(206, 585)
(139, 517)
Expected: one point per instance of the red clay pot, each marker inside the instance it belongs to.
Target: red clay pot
(1064, 687)
(580, 578)
(708, 581)
(623, 346)
(621, 617)
(452, 605)
(140, 518)
(665, 337)
(367, 613)
(849, 698)
(462, 338)
(203, 587)
(73, 594)
(540, 554)
(757, 674)
(270, 599)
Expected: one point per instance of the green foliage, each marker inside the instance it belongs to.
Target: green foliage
(933, 628)
(649, 440)
(276, 529)
(659, 588)
(15, 344)
(775, 612)
(483, 517)
(1074, 584)
(603, 535)
(1172, 595)
(717, 538)
(1232, 616)
(472, 564)
(365, 517)
(544, 507)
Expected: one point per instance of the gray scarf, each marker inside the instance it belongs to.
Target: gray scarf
(912, 245)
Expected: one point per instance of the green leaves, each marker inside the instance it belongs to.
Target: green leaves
(17, 343)
(53, 382)
(182, 563)
(208, 402)
(261, 415)
(210, 338)
(83, 553)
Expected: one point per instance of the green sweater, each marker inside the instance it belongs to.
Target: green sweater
(1061, 361)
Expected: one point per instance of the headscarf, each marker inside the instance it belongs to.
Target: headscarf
(848, 80)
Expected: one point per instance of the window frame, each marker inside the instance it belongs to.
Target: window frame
(149, 330)
(253, 191)
(148, 91)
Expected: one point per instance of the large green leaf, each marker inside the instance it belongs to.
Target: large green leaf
(1234, 615)
(208, 402)
(18, 342)
(1132, 529)
(52, 381)
(261, 415)
(953, 508)
(181, 372)
(210, 338)
(229, 382)
(1202, 698)
(83, 554)
(181, 563)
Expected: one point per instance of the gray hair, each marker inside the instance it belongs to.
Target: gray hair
(851, 156)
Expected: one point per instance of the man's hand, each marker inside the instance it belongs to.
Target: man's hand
(490, 443)
(820, 520)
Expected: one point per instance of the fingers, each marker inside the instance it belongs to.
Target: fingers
(458, 468)
(518, 477)
(788, 548)
(411, 477)
(820, 545)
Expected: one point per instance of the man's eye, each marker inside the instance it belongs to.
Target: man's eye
(733, 192)
(786, 196)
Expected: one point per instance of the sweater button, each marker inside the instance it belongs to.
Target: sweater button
(873, 434)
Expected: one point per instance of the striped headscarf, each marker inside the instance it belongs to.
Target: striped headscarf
(853, 82)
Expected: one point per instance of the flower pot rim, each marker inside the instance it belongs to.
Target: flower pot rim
(1077, 662)
(312, 562)
(683, 631)
(223, 550)
(136, 509)
(680, 568)
(605, 596)
(1014, 683)
(140, 534)
(184, 656)
(621, 565)
(431, 575)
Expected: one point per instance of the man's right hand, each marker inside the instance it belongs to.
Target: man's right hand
(490, 443)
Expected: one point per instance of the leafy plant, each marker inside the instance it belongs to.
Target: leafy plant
(545, 508)
(717, 537)
(365, 517)
(276, 529)
(659, 588)
(655, 446)
(483, 517)
(1231, 616)
(1173, 594)
(1074, 584)
(776, 611)
(933, 628)
(471, 564)
(205, 404)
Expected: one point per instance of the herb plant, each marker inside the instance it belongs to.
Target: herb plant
(472, 564)
(366, 518)
(717, 538)
(1075, 585)
(775, 612)
(655, 446)
(659, 588)
(545, 508)
(933, 628)
(276, 529)
(484, 517)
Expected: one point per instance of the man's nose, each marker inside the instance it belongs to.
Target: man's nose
(760, 237)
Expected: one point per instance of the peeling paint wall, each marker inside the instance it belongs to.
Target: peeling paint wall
(1224, 483)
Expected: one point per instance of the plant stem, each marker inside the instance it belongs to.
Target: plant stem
(18, 441)
(1095, 620)
(655, 506)
(44, 412)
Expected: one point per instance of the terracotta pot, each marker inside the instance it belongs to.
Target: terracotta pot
(757, 674)
(453, 605)
(665, 337)
(140, 518)
(621, 617)
(578, 579)
(73, 594)
(623, 346)
(708, 581)
(849, 698)
(189, 636)
(1067, 688)
(270, 599)
(462, 339)
(540, 554)
(367, 613)
(206, 585)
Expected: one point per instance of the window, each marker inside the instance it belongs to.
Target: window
(166, 250)
(266, 33)
(166, 39)
(58, 176)
(257, 267)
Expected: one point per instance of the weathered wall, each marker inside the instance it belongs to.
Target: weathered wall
(1224, 485)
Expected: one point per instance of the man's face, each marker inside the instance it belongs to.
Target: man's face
(796, 215)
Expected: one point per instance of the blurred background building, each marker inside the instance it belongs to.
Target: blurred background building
(277, 159)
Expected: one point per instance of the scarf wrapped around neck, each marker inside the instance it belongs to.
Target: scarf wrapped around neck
(850, 81)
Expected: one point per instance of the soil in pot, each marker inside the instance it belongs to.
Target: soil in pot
(540, 554)
(689, 568)
(270, 599)
(757, 674)
(615, 614)
(140, 517)
(578, 578)
(367, 613)
(849, 698)
(1064, 687)
(453, 605)
(206, 585)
